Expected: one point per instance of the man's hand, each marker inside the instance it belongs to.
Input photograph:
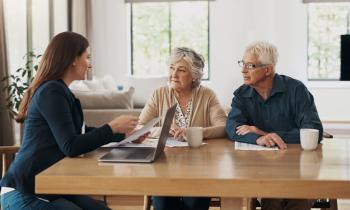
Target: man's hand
(271, 140)
(245, 129)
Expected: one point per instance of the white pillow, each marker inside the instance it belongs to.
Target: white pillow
(105, 99)
(108, 83)
(94, 84)
(78, 85)
(144, 88)
(97, 84)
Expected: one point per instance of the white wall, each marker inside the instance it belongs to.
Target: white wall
(233, 24)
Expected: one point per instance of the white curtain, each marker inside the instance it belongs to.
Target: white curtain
(6, 123)
(81, 21)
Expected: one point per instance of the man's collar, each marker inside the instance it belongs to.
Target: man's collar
(277, 87)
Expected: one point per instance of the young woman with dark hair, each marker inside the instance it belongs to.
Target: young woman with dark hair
(53, 124)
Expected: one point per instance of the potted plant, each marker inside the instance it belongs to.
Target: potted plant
(19, 82)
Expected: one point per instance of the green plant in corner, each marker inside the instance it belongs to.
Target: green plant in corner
(19, 82)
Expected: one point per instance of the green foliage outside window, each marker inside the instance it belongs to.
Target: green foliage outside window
(157, 28)
(327, 21)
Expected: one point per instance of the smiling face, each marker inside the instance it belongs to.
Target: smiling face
(81, 66)
(253, 77)
(181, 76)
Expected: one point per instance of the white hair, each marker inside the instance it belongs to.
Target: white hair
(194, 59)
(266, 52)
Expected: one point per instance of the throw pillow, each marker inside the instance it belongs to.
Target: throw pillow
(106, 99)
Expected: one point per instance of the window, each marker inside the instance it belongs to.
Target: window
(327, 21)
(157, 28)
(28, 27)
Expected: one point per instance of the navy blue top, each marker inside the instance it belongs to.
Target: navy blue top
(52, 131)
(289, 107)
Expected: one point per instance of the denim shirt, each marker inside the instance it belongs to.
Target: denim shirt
(289, 108)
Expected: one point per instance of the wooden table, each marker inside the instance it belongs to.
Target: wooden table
(216, 169)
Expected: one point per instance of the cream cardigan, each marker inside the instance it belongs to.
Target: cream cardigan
(206, 110)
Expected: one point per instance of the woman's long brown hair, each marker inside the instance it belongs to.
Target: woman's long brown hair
(61, 52)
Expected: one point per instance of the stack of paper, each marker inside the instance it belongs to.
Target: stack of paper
(245, 146)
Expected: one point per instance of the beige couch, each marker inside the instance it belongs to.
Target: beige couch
(98, 117)
(102, 106)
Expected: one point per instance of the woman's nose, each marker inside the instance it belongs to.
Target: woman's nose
(174, 73)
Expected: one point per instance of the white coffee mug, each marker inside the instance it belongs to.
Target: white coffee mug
(309, 138)
(194, 136)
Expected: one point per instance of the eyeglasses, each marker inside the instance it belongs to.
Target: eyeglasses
(250, 66)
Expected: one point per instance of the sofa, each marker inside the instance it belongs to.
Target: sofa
(101, 101)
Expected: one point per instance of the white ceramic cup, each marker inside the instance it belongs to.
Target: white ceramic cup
(194, 136)
(309, 138)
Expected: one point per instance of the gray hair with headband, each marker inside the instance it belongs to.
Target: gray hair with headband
(194, 59)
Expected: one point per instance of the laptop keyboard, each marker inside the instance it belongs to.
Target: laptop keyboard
(140, 154)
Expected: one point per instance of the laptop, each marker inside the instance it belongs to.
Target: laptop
(142, 154)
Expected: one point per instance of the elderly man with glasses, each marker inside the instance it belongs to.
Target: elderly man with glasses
(270, 109)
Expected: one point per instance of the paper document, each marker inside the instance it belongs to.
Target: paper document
(171, 142)
(245, 146)
(147, 127)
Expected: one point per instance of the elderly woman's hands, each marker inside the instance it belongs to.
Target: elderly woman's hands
(123, 124)
(177, 133)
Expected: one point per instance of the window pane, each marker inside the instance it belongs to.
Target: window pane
(40, 22)
(150, 38)
(327, 21)
(159, 27)
(189, 27)
(16, 30)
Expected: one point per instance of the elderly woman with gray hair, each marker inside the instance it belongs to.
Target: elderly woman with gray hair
(196, 106)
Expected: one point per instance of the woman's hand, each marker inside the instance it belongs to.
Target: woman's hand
(123, 124)
(177, 133)
(140, 139)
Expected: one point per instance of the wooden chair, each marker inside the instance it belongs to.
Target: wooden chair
(215, 202)
(323, 204)
(7, 155)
